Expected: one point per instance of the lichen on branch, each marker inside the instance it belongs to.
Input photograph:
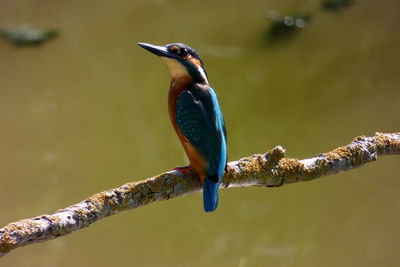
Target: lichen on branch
(270, 169)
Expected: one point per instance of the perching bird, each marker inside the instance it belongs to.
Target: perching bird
(196, 116)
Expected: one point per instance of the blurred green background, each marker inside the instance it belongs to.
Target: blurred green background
(87, 111)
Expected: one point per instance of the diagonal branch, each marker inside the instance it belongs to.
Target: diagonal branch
(270, 169)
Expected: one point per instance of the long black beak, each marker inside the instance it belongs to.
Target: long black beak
(157, 50)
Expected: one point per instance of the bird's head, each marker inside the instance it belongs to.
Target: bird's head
(181, 60)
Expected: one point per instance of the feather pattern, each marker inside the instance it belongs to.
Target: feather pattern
(199, 117)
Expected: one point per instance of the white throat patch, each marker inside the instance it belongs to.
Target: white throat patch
(177, 70)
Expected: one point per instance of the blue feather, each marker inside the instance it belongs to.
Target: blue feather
(200, 119)
(210, 195)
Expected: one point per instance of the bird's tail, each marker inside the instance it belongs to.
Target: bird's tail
(210, 194)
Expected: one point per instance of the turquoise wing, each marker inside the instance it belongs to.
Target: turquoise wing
(200, 119)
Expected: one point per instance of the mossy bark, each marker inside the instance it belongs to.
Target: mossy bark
(270, 169)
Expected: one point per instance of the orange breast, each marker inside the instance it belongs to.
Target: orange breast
(196, 160)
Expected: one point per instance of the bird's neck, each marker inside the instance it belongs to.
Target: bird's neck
(179, 72)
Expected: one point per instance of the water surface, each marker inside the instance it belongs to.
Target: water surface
(87, 111)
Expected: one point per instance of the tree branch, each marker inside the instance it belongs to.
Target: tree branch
(270, 169)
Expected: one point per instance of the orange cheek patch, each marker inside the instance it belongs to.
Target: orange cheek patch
(174, 49)
(195, 61)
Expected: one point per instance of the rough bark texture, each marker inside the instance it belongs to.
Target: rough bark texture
(270, 169)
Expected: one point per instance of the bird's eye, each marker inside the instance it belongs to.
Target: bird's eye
(182, 52)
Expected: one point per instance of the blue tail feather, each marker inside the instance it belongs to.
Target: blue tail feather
(210, 195)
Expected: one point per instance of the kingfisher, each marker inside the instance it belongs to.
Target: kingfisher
(196, 116)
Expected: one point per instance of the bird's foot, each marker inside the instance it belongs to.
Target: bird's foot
(187, 169)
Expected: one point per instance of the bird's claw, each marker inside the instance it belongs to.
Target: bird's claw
(187, 169)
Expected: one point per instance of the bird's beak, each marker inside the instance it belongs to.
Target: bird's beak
(157, 50)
